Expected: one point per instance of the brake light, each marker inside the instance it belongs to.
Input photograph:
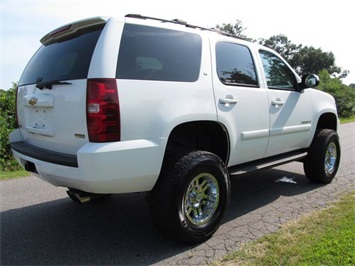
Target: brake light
(102, 110)
(60, 30)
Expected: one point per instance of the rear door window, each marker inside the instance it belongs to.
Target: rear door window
(60, 61)
(235, 65)
(150, 53)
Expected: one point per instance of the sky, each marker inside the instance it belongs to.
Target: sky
(326, 24)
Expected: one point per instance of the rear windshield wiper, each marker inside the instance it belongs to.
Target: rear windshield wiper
(48, 85)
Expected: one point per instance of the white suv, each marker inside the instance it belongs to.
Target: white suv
(137, 104)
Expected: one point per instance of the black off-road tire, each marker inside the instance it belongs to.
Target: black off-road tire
(322, 162)
(190, 196)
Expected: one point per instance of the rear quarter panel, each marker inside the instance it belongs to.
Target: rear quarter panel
(152, 109)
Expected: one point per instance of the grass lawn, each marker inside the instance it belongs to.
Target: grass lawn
(325, 237)
(347, 120)
(13, 174)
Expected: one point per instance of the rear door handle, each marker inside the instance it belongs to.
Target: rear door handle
(277, 102)
(229, 99)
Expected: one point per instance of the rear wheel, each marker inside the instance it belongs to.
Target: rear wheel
(323, 159)
(191, 195)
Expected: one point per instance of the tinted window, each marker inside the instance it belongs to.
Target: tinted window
(151, 53)
(278, 74)
(235, 65)
(61, 61)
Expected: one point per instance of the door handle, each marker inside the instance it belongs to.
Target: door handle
(277, 102)
(229, 99)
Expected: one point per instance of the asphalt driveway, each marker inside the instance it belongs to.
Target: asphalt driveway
(40, 225)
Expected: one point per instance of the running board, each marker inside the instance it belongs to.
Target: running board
(266, 163)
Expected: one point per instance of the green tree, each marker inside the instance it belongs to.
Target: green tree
(7, 124)
(282, 45)
(304, 59)
(344, 95)
(311, 60)
(235, 30)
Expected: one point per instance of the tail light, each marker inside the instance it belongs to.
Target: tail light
(102, 110)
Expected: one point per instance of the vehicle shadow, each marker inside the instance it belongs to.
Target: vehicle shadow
(250, 192)
(118, 230)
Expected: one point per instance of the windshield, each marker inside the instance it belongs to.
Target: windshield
(60, 61)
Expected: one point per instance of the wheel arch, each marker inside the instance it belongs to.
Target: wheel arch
(327, 121)
(209, 136)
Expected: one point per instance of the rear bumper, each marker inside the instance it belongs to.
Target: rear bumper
(22, 147)
(117, 167)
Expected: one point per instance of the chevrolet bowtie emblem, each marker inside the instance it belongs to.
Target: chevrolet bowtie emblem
(33, 101)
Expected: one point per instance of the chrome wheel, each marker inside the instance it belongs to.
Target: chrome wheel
(201, 199)
(330, 158)
(322, 162)
(191, 195)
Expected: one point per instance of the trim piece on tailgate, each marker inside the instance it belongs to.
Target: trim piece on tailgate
(44, 155)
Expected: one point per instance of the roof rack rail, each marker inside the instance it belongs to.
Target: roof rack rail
(175, 21)
(181, 22)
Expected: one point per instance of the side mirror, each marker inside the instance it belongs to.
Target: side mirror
(309, 81)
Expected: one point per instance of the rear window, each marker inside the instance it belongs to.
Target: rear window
(149, 53)
(235, 65)
(65, 60)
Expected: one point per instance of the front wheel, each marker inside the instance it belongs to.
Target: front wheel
(323, 159)
(191, 195)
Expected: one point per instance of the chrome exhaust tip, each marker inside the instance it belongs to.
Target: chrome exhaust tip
(84, 197)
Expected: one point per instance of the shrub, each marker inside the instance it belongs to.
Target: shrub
(7, 124)
(344, 95)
